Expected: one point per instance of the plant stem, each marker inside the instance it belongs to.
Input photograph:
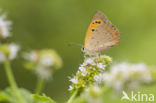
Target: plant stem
(40, 85)
(12, 81)
(72, 97)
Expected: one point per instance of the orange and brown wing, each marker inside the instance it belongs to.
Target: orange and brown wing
(101, 34)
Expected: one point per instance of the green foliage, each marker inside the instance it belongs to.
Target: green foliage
(42, 99)
(8, 96)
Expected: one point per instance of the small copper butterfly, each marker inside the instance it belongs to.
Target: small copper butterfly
(101, 35)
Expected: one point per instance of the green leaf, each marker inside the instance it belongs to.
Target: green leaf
(42, 99)
(3, 97)
(8, 96)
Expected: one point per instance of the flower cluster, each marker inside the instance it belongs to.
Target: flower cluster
(89, 73)
(4, 27)
(8, 51)
(126, 75)
(43, 62)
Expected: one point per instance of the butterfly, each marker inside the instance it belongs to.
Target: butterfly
(101, 35)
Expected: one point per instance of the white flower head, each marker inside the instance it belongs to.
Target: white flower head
(44, 62)
(101, 66)
(74, 80)
(120, 73)
(43, 72)
(4, 27)
(13, 48)
(90, 72)
(47, 60)
(9, 51)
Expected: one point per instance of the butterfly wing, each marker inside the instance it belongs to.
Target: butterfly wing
(101, 34)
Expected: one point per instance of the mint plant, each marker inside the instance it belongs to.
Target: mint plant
(95, 77)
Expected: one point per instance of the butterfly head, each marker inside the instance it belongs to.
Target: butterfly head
(83, 49)
(89, 52)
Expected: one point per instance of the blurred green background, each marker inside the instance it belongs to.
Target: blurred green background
(39, 24)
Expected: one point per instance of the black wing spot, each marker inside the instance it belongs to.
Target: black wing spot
(99, 22)
(93, 30)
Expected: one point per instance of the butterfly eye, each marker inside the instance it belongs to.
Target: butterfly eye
(83, 48)
(93, 30)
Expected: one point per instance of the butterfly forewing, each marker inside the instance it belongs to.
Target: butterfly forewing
(101, 34)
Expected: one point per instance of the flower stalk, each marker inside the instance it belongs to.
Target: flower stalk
(12, 81)
(43, 63)
(40, 85)
(73, 96)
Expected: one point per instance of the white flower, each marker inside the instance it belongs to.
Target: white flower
(88, 61)
(120, 73)
(98, 78)
(101, 66)
(32, 56)
(70, 88)
(13, 48)
(4, 27)
(47, 60)
(43, 72)
(74, 80)
(121, 68)
(8, 51)
(83, 71)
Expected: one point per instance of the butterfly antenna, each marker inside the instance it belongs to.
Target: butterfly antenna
(76, 44)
